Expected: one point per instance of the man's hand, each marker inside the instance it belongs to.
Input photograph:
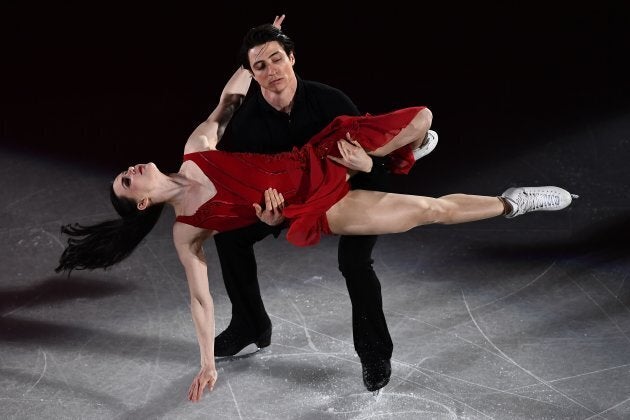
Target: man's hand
(353, 156)
(274, 204)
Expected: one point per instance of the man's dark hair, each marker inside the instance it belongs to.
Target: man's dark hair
(260, 35)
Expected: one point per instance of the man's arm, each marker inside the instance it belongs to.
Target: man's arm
(370, 169)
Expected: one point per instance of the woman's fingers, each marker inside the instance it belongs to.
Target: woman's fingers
(277, 22)
(192, 391)
(204, 379)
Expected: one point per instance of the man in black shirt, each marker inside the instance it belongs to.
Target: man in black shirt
(283, 112)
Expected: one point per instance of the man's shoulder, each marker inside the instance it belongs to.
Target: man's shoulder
(322, 92)
(312, 85)
(331, 100)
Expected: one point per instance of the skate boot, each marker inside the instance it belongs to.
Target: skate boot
(528, 199)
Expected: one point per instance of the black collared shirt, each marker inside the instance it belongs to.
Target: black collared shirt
(257, 127)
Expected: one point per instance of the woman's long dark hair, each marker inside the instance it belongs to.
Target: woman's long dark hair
(107, 243)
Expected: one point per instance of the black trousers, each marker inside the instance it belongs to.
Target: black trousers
(238, 265)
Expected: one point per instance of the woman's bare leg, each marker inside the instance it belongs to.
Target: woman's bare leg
(413, 134)
(363, 212)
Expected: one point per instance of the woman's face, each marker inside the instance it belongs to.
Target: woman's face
(136, 182)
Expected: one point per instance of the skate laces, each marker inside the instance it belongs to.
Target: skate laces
(538, 200)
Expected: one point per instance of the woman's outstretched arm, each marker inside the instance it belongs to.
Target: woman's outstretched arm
(189, 245)
(209, 133)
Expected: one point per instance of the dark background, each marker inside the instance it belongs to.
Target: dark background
(110, 85)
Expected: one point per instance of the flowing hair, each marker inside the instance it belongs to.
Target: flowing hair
(107, 243)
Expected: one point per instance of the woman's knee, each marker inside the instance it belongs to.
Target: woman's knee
(444, 211)
(426, 118)
(421, 123)
(436, 211)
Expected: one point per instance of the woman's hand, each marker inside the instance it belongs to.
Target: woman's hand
(274, 204)
(277, 22)
(206, 377)
(353, 156)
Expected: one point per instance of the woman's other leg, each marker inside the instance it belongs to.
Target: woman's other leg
(413, 134)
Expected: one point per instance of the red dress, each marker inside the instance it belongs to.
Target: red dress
(309, 181)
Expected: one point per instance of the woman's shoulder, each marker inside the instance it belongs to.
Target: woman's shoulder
(196, 144)
(184, 234)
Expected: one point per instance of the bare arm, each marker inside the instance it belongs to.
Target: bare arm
(189, 245)
(208, 133)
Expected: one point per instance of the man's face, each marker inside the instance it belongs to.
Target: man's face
(272, 68)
